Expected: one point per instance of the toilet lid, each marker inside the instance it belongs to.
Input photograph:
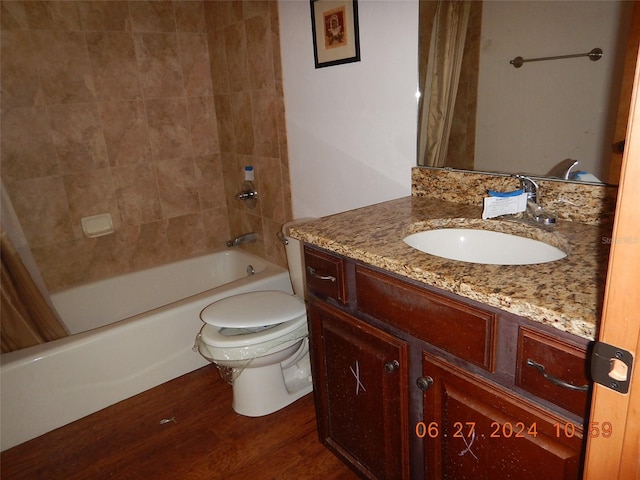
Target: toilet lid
(254, 309)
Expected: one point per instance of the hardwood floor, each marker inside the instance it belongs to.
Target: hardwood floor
(204, 438)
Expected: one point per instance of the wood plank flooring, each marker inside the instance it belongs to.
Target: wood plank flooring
(205, 440)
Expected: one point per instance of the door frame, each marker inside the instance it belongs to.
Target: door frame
(616, 456)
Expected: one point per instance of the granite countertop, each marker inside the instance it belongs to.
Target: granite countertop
(566, 294)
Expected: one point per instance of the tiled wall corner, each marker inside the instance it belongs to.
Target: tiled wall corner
(244, 48)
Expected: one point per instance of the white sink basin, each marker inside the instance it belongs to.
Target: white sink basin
(483, 246)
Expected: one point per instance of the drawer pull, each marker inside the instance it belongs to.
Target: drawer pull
(391, 366)
(424, 383)
(554, 380)
(312, 272)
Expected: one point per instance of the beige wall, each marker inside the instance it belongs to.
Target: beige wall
(113, 107)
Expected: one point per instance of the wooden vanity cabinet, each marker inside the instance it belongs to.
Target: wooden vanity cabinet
(361, 387)
(452, 397)
(475, 429)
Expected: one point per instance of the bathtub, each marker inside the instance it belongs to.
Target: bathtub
(130, 333)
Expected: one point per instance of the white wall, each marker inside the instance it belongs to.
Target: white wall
(532, 117)
(351, 128)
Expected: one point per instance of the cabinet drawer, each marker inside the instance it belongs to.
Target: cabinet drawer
(460, 329)
(564, 365)
(325, 275)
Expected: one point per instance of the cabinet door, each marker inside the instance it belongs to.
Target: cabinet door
(473, 429)
(361, 388)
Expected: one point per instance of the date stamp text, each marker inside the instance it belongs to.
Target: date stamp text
(512, 430)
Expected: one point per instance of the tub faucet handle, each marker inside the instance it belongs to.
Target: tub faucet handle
(248, 194)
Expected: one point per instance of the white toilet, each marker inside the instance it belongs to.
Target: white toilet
(262, 338)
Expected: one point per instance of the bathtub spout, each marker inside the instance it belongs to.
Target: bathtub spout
(246, 238)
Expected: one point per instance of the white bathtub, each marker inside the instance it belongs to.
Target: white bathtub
(138, 331)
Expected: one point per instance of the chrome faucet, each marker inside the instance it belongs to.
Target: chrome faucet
(248, 194)
(241, 239)
(563, 169)
(535, 213)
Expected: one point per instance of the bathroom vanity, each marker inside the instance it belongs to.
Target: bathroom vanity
(431, 368)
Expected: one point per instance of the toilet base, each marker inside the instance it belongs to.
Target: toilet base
(264, 390)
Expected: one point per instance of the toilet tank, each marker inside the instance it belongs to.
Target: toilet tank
(295, 257)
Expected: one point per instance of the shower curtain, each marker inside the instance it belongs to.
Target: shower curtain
(445, 58)
(27, 319)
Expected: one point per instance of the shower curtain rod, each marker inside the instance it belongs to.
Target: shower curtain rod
(594, 55)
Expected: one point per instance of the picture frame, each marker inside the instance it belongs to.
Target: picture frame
(336, 38)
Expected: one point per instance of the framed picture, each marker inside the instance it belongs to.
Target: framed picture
(335, 32)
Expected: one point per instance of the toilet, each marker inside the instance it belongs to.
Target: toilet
(260, 340)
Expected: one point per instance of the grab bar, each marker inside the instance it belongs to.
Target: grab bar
(594, 55)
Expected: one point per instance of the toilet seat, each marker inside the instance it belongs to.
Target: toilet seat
(254, 309)
(253, 318)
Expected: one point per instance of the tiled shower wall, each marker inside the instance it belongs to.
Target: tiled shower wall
(113, 107)
(244, 46)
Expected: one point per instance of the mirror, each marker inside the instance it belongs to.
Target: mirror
(525, 119)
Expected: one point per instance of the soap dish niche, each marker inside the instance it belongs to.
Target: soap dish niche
(97, 225)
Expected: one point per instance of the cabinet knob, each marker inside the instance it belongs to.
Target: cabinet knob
(391, 366)
(424, 383)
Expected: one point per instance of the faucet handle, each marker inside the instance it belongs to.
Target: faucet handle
(528, 185)
(248, 194)
(563, 169)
